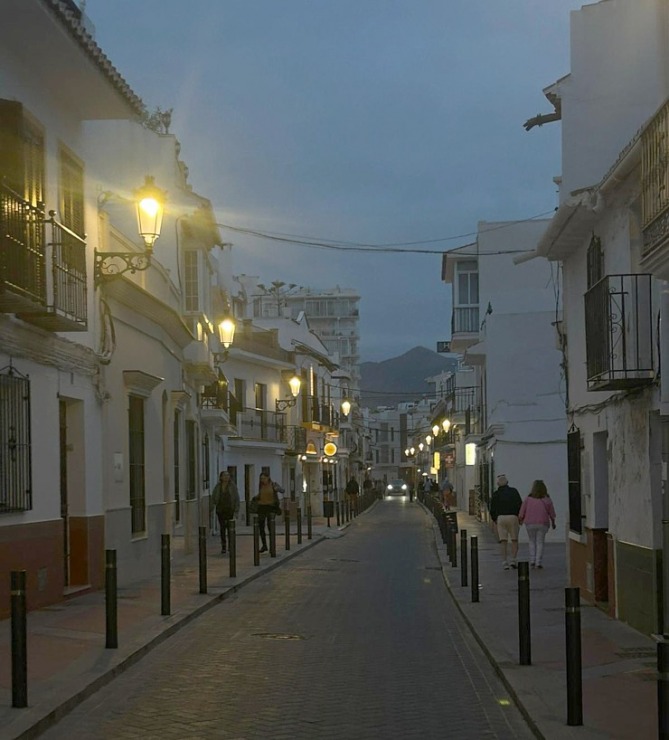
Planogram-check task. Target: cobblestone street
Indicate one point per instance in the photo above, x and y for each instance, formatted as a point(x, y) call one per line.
point(356, 638)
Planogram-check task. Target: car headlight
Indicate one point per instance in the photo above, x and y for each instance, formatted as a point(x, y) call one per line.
point(390, 488)
point(404, 486)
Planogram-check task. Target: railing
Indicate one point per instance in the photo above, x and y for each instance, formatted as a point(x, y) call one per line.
point(22, 252)
point(261, 424)
point(320, 413)
point(619, 332)
point(655, 178)
point(296, 439)
point(68, 265)
point(215, 397)
point(465, 320)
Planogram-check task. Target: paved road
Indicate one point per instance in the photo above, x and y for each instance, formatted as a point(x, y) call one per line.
point(356, 638)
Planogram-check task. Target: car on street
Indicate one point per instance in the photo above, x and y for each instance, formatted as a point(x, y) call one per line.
point(397, 488)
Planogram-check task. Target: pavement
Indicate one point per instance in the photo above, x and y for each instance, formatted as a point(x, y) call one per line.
point(68, 662)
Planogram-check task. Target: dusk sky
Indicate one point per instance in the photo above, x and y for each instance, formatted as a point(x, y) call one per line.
point(363, 122)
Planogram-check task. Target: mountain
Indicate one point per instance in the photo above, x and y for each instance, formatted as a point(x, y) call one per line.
point(402, 378)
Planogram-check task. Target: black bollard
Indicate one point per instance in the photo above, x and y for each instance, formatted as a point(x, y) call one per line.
point(272, 535)
point(165, 574)
point(475, 569)
point(202, 559)
point(232, 547)
point(574, 673)
point(299, 526)
point(111, 602)
point(524, 631)
point(444, 530)
point(256, 540)
point(454, 544)
point(309, 533)
point(338, 510)
point(463, 557)
point(663, 688)
point(286, 527)
point(19, 640)
point(247, 507)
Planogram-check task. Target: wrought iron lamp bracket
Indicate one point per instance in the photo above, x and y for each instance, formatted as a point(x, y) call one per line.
point(285, 403)
point(109, 265)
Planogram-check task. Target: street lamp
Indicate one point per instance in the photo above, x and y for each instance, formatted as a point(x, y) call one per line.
point(446, 425)
point(435, 429)
point(226, 333)
point(150, 202)
point(285, 403)
point(346, 407)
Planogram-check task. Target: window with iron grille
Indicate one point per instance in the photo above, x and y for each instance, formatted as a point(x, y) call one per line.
point(574, 477)
point(72, 193)
point(15, 446)
point(21, 152)
point(191, 281)
point(177, 470)
point(136, 469)
point(595, 259)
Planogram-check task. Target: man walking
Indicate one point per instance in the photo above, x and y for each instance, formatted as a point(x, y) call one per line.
point(504, 507)
point(225, 499)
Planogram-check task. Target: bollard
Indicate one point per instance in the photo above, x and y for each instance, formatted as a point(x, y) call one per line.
point(247, 509)
point(309, 533)
point(164, 574)
point(454, 544)
point(256, 540)
point(19, 640)
point(202, 551)
point(272, 535)
point(442, 527)
point(111, 602)
point(232, 547)
point(524, 631)
point(463, 557)
point(475, 568)
point(299, 526)
point(286, 526)
point(663, 688)
point(574, 674)
point(338, 510)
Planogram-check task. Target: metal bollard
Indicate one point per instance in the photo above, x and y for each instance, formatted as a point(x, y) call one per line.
point(444, 531)
point(338, 512)
point(272, 535)
point(663, 688)
point(524, 631)
point(454, 544)
point(256, 540)
point(202, 559)
point(475, 569)
point(165, 574)
point(286, 525)
point(463, 557)
point(19, 640)
point(232, 547)
point(111, 602)
point(574, 673)
point(299, 526)
point(309, 532)
point(247, 510)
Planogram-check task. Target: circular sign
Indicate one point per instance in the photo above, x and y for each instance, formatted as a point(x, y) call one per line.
point(330, 449)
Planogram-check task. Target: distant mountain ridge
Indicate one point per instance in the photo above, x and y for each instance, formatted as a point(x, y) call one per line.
point(402, 378)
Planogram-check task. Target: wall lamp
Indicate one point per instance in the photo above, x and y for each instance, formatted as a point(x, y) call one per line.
point(285, 403)
point(346, 407)
point(226, 333)
point(150, 204)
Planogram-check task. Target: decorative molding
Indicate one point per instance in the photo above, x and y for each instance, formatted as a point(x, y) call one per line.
point(141, 383)
point(180, 399)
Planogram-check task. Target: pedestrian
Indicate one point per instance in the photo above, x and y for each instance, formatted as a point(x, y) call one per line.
point(352, 490)
point(505, 505)
point(446, 489)
point(268, 503)
point(225, 500)
point(536, 513)
point(427, 485)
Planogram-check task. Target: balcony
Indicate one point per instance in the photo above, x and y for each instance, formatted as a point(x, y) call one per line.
point(655, 194)
point(261, 425)
point(319, 414)
point(218, 408)
point(43, 283)
point(619, 333)
point(296, 440)
point(464, 327)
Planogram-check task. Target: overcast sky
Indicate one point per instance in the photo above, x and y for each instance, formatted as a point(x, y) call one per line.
point(358, 121)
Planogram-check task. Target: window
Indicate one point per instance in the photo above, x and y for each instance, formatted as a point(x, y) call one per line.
point(574, 478)
point(15, 444)
point(468, 283)
point(136, 464)
point(72, 193)
point(260, 396)
point(191, 281)
point(177, 469)
point(595, 258)
point(191, 469)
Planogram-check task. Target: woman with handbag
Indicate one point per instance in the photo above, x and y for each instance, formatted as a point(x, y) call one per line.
point(268, 503)
point(536, 512)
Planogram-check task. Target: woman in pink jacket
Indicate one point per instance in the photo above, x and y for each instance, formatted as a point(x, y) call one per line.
point(536, 513)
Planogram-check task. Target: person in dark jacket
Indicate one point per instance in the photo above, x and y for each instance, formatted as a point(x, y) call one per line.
point(225, 499)
point(505, 505)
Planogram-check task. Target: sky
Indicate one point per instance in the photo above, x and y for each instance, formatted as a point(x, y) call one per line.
point(357, 122)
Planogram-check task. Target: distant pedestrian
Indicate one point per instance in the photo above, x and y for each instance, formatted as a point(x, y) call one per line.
point(352, 490)
point(268, 502)
point(367, 485)
point(536, 513)
point(446, 489)
point(505, 505)
point(427, 485)
point(225, 500)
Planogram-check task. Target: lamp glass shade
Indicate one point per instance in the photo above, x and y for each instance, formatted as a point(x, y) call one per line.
point(346, 407)
point(150, 206)
point(420, 446)
point(226, 332)
point(435, 429)
point(446, 425)
point(428, 439)
point(295, 382)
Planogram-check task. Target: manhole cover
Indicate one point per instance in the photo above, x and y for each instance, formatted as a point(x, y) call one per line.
point(277, 636)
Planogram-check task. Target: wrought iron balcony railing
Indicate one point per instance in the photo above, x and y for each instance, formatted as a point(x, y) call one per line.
point(465, 320)
point(55, 298)
point(619, 332)
point(296, 440)
point(319, 413)
point(261, 424)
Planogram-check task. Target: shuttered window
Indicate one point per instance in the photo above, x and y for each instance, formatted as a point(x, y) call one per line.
point(15, 443)
point(72, 193)
point(136, 463)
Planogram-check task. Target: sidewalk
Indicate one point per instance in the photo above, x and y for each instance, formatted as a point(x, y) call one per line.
point(67, 659)
point(619, 663)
